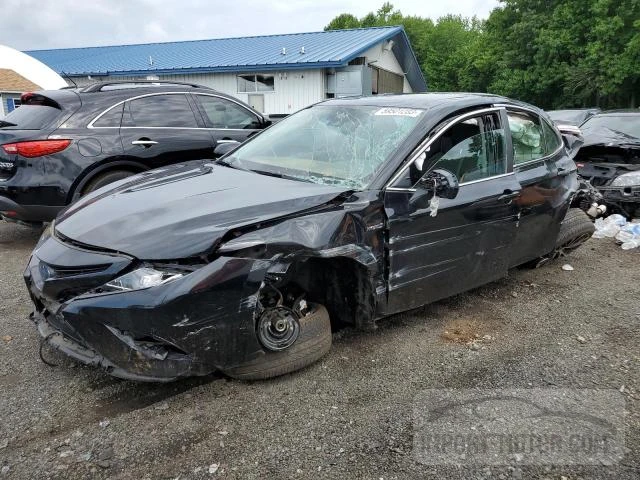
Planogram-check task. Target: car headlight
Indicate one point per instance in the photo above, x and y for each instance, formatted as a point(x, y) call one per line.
point(145, 277)
point(631, 179)
point(46, 233)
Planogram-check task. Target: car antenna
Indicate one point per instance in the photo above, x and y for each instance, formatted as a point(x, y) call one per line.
point(67, 77)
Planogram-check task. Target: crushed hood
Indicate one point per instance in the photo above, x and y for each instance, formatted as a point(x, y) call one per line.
point(183, 210)
point(609, 138)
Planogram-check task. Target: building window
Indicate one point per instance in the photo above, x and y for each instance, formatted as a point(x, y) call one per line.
point(255, 83)
point(12, 104)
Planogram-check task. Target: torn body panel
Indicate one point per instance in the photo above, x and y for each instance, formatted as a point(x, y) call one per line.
point(206, 321)
point(606, 159)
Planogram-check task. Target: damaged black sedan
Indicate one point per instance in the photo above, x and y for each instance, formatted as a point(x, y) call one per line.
point(610, 159)
point(343, 213)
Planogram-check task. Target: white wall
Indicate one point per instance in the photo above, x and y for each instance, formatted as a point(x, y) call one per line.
point(293, 89)
point(378, 57)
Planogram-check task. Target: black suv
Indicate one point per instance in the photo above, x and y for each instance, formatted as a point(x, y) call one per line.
point(62, 144)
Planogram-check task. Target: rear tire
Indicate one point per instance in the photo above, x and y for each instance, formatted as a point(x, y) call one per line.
point(575, 230)
point(105, 179)
point(312, 344)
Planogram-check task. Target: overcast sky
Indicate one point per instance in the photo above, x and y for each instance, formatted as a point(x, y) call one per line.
point(38, 24)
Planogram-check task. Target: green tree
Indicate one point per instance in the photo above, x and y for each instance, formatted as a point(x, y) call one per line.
point(553, 53)
point(343, 21)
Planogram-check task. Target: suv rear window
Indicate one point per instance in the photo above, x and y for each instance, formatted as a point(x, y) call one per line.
point(32, 117)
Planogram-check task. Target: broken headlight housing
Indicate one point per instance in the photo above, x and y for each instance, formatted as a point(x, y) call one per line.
point(144, 277)
point(631, 179)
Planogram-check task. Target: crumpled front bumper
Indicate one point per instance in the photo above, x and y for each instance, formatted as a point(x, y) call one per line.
point(192, 326)
point(167, 371)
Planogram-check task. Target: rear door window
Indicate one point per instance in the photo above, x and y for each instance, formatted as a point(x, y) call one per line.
point(32, 117)
point(169, 111)
point(527, 137)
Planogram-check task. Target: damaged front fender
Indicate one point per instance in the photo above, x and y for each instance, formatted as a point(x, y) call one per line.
point(336, 257)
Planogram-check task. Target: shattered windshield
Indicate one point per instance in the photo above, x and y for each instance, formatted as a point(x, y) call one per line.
point(628, 125)
point(329, 144)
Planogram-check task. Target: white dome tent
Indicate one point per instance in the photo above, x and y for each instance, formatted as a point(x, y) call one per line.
point(19, 73)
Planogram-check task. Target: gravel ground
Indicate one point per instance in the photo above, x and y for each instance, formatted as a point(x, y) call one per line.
point(349, 415)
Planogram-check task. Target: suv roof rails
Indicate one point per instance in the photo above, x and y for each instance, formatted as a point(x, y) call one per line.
point(123, 84)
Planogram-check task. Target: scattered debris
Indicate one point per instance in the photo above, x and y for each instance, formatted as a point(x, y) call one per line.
point(581, 339)
point(4, 443)
point(5, 470)
point(7, 338)
point(162, 406)
point(616, 226)
point(213, 468)
point(104, 423)
point(622, 389)
point(567, 268)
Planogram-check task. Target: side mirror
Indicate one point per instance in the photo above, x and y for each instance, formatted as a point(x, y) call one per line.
point(572, 139)
point(225, 146)
point(442, 183)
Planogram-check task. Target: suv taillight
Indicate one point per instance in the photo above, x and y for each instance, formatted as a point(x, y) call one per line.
point(37, 148)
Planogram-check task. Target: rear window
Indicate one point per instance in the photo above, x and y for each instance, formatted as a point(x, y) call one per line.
point(111, 118)
point(32, 117)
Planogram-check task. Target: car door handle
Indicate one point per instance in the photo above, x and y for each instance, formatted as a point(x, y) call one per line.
point(227, 141)
point(509, 195)
point(144, 143)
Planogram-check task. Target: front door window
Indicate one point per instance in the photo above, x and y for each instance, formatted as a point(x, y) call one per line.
point(473, 149)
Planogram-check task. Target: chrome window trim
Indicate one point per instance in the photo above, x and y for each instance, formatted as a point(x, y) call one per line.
point(463, 184)
point(155, 94)
point(90, 125)
point(422, 148)
point(184, 128)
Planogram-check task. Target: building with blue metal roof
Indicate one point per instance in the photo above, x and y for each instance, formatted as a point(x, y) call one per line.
point(276, 74)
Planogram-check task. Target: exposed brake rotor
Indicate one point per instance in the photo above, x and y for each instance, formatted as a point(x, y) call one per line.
point(278, 328)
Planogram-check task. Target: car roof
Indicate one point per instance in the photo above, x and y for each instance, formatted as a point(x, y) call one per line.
point(441, 103)
point(613, 113)
point(589, 109)
point(142, 90)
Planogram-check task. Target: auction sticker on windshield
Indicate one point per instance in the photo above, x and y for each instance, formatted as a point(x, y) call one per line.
point(399, 112)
